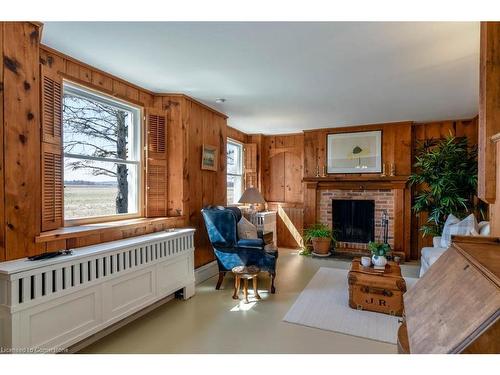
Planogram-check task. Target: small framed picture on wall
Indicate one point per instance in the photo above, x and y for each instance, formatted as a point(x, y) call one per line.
point(209, 158)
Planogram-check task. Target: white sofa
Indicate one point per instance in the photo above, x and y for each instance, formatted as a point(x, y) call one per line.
point(429, 255)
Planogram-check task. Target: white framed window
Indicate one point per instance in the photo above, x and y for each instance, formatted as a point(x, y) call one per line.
point(234, 171)
point(102, 157)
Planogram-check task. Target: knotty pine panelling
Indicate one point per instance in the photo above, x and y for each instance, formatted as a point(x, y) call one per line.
point(2, 194)
point(204, 187)
point(81, 73)
point(396, 146)
point(282, 172)
point(489, 113)
point(21, 139)
point(189, 124)
point(237, 135)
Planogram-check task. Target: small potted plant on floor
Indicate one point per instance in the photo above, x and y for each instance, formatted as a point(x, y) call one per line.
point(321, 237)
point(379, 251)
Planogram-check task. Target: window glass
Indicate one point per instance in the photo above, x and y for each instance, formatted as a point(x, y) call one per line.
point(101, 143)
point(234, 172)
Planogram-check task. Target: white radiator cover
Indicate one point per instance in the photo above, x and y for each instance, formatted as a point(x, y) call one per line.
point(49, 305)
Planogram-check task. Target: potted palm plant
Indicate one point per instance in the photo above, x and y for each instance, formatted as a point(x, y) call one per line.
point(321, 238)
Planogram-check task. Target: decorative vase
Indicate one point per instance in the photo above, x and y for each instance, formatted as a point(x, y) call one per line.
point(321, 245)
point(366, 261)
point(379, 260)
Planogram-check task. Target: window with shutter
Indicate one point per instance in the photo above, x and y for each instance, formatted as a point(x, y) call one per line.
point(52, 172)
point(156, 166)
point(102, 157)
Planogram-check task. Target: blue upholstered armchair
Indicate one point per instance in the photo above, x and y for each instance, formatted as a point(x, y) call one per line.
point(230, 251)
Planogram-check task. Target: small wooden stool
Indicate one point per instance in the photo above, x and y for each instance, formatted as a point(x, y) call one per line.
point(245, 273)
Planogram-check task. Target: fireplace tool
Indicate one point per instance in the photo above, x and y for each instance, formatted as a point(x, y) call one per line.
point(385, 226)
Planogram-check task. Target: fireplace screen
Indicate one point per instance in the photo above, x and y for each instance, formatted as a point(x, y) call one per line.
point(353, 220)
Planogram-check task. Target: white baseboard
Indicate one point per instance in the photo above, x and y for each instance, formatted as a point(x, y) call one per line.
point(206, 272)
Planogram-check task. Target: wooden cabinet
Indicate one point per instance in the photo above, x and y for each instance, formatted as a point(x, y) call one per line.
point(455, 307)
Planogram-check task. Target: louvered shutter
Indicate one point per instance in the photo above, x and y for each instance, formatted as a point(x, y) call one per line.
point(250, 157)
point(51, 148)
point(156, 164)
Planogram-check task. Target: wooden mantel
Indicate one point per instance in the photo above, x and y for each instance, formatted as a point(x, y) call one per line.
point(363, 182)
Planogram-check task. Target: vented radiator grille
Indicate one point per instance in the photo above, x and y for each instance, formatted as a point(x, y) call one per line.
point(48, 277)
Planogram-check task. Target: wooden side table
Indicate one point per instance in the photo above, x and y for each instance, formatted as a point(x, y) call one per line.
point(245, 273)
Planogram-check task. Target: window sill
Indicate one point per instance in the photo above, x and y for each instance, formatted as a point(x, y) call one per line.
point(97, 228)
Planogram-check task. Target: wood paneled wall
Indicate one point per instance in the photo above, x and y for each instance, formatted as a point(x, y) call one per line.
point(2, 194)
point(79, 72)
point(396, 146)
point(237, 135)
point(190, 125)
point(287, 159)
point(282, 173)
point(489, 121)
point(20, 130)
point(204, 187)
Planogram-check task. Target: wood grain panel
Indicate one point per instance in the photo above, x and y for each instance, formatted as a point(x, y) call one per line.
point(396, 138)
point(2, 193)
point(489, 108)
point(177, 156)
point(289, 224)
point(21, 121)
point(440, 296)
point(237, 135)
point(275, 176)
point(293, 178)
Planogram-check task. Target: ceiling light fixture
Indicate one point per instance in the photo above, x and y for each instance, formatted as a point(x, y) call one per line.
point(220, 100)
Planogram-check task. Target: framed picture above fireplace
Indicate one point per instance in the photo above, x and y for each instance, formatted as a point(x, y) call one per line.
point(358, 152)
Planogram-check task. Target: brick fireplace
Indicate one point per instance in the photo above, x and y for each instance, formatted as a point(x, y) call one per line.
point(388, 193)
point(383, 199)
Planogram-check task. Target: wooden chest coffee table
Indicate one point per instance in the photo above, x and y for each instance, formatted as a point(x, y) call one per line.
point(373, 290)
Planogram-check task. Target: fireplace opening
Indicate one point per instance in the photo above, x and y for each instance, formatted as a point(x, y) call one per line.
point(353, 220)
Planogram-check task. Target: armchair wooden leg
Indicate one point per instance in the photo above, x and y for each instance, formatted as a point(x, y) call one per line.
point(273, 276)
point(221, 278)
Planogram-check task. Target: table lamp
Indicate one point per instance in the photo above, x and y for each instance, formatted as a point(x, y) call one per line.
point(252, 196)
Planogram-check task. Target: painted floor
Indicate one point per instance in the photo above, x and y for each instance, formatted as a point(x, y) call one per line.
point(212, 322)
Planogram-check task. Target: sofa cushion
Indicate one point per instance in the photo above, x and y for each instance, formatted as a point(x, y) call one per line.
point(461, 228)
point(246, 230)
point(484, 228)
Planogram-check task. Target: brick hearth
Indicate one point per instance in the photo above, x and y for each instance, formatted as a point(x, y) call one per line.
point(384, 200)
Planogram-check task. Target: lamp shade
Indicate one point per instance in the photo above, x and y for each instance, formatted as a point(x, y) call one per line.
point(252, 196)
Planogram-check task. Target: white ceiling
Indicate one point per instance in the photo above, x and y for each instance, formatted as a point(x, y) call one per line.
point(282, 77)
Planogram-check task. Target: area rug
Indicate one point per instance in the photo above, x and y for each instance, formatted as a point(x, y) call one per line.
point(324, 304)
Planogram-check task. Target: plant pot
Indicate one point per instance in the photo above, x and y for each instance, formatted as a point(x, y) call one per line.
point(379, 260)
point(321, 245)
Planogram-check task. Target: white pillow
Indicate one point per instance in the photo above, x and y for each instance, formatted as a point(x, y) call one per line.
point(463, 228)
point(246, 230)
point(484, 228)
point(446, 236)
